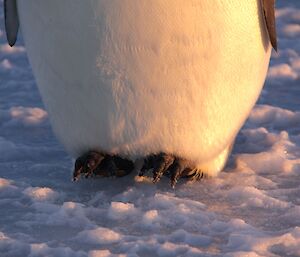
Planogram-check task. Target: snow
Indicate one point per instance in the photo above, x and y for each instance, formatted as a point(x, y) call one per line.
point(250, 209)
point(282, 71)
point(6, 49)
point(99, 236)
point(119, 210)
point(40, 193)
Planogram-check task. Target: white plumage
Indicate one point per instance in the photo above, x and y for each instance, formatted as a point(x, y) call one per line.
point(136, 77)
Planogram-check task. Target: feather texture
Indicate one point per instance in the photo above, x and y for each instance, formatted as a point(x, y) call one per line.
point(136, 77)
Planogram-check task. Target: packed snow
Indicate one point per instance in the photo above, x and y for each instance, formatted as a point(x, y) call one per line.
point(250, 209)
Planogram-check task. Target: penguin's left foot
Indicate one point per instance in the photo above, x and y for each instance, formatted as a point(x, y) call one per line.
point(95, 163)
point(174, 167)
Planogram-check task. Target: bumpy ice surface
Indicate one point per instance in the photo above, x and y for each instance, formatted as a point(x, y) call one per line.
point(251, 209)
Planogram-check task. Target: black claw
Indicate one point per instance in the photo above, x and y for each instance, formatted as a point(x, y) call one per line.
point(176, 171)
point(195, 175)
point(182, 168)
point(92, 162)
point(87, 164)
point(78, 168)
point(199, 176)
point(161, 165)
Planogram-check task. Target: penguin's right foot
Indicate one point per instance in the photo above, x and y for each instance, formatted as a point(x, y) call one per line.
point(95, 163)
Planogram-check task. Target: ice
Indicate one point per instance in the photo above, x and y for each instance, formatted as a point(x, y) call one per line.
point(251, 209)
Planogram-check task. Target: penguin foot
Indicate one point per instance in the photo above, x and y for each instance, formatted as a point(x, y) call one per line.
point(95, 163)
point(174, 167)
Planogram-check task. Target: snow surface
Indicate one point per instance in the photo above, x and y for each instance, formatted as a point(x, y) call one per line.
point(250, 209)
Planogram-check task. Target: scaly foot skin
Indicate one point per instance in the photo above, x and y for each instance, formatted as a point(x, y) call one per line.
point(86, 164)
point(95, 163)
point(167, 164)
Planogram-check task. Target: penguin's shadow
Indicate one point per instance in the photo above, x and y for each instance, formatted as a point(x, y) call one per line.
point(117, 186)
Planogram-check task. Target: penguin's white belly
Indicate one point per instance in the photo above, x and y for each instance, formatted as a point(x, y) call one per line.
point(136, 77)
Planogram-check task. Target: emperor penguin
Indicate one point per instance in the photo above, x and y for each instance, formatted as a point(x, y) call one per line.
point(170, 82)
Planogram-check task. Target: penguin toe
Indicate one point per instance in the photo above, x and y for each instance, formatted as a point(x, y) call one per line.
point(99, 164)
point(159, 163)
point(174, 167)
point(87, 164)
point(161, 166)
point(181, 168)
